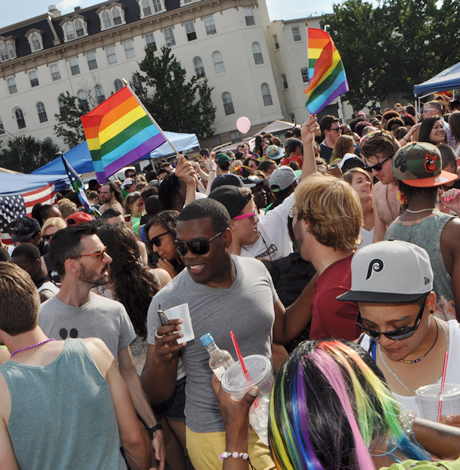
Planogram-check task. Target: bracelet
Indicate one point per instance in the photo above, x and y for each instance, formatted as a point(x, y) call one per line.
point(153, 429)
point(236, 455)
point(406, 420)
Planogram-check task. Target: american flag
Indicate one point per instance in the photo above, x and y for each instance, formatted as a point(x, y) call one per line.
point(13, 206)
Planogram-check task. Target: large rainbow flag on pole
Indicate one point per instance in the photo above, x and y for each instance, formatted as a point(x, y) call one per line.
point(325, 69)
point(119, 132)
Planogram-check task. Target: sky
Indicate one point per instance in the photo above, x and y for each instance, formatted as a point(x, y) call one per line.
point(20, 10)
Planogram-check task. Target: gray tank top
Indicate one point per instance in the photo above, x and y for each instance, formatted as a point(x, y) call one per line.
point(62, 414)
point(426, 233)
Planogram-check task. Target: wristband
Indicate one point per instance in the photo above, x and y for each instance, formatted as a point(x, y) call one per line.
point(153, 429)
point(236, 455)
point(406, 419)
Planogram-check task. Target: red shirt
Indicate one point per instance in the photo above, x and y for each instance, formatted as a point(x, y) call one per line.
point(295, 158)
point(332, 318)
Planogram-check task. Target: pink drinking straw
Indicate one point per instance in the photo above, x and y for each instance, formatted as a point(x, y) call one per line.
point(443, 383)
point(243, 365)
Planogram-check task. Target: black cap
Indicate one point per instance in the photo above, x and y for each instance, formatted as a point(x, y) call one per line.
point(226, 180)
point(25, 228)
point(231, 198)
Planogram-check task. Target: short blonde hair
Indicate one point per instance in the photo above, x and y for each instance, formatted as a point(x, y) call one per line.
point(67, 207)
point(333, 209)
point(53, 222)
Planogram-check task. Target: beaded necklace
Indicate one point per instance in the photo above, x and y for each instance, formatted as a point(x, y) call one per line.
point(33, 346)
point(421, 357)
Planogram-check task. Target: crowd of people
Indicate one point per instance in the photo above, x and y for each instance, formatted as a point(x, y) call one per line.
point(331, 251)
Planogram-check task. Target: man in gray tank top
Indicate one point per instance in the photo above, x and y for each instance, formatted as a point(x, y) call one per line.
point(63, 404)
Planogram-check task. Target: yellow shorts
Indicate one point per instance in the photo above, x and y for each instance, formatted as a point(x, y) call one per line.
point(204, 450)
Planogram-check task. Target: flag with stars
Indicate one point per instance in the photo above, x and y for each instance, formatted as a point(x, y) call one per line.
point(13, 206)
point(76, 182)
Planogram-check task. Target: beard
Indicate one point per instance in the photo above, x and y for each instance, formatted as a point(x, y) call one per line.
point(92, 277)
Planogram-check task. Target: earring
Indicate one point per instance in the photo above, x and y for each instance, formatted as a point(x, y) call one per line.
point(431, 311)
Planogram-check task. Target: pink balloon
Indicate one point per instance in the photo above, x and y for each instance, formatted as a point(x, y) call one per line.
point(243, 125)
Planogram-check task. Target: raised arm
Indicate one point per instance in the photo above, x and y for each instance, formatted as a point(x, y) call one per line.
point(308, 132)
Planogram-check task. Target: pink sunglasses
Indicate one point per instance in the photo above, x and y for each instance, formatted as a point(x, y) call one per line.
point(245, 216)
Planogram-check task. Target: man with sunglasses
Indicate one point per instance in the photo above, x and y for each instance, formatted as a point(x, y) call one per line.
point(379, 148)
point(82, 263)
point(331, 131)
point(392, 281)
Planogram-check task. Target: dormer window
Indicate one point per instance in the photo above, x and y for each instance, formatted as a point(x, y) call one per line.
point(74, 27)
point(34, 37)
point(111, 15)
point(7, 48)
point(150, 7)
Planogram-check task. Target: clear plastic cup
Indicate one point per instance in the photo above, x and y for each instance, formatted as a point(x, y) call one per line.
point(237, 384)
point(182, 312)
point(428, 399)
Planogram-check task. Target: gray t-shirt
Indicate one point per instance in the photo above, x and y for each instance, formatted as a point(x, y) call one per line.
point(246, 308)
point(99, 317)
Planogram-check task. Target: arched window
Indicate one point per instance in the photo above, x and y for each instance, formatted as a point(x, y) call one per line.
point(146, 8)
point(82, 96)
point(100, 97)
point(2, 127)
point(42, 117)
point(218, 62)
point(136, 82)
point(116, 17)
point(20, 118)
point(63, 110)
point(228, 103)
point(266, 94)
point(36, 43)
point(118, 84)
point(106, 20)
point(199, 68)
point(284, 80)
point(257, 53)
point(69, 32)
point(79, 29)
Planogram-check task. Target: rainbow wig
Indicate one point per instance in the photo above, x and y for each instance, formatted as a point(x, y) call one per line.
point(329, 404)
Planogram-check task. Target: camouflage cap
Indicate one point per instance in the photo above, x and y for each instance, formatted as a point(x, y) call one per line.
point(419, 164)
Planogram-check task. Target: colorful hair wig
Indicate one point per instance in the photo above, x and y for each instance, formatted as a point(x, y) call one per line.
point(330, 403)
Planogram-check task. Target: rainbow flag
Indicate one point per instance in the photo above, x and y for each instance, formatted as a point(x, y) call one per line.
point(325, 69)
point(119, 132)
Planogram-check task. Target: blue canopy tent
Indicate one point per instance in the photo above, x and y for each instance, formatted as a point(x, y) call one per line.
point(19, 183)
point(80, 157)
point(448, 79)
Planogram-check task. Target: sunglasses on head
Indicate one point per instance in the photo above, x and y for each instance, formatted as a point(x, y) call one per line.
point(395, 335)
point(378, 166)
point(156, 240)
point(199, 246)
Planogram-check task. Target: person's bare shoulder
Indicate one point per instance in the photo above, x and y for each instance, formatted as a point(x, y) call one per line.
point(100, 353)
point(4, 355)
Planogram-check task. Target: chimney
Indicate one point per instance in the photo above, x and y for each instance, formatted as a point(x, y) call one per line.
point(53, 11)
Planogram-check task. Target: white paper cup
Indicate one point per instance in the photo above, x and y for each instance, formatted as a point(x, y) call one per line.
point(428, 399)
point(182, 312)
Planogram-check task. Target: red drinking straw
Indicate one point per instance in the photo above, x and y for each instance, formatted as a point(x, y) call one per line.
point(443, 383)
point(243, 365)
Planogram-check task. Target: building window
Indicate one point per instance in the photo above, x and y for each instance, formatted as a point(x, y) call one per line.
point(118, 84)
point(48, 140)
point(249, 16)
point(69, 32)
point(199, 68)
point(74, 68)
point(42, 117)
point(12, 85)
point(111, 17)
point(218, 62)
point(79, 28)
point(91, 58)
point(146, 8)
point(190, 30)
point(257, 53)
point(136, 82)
point(228, 103)
point(2, 128)
point(169, 37)
point(304, 72)
point(100, 97)
point(82, 96)
point(63, 110)
point(74, 29)
point(20, 118)
point(284, 81)
point(55, 74)
point(296, 34)
point(33, 78)
point(150, 7)
point(275, 41)
point(35, 40)
point(216, 140)
point(111, 55)
point(7, 49)
point(116, 15)
point(129, 49)
point(150, 41)
point(235, 137)
point(266, 94)
point(210, 26)
point(106, 20)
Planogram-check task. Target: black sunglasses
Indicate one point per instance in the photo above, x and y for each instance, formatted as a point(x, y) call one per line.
point(378, 166)
point(47, 238)
point(199, 246)
point(156, 240)
point(395, 335)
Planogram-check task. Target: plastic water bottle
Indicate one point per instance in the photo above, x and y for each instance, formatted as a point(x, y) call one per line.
point(220, 360)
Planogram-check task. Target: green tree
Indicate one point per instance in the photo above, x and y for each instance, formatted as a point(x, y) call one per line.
point(26, 153)
point(176, 104)
point(395, 46)
point(69, 125)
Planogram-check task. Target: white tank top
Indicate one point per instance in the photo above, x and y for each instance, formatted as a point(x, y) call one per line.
point(453, 369)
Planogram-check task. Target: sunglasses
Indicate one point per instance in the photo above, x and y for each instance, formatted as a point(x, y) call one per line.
point(198, 247)
point(245, 216)
point(156, 240)
point(100, 253)
point(47, 238)
point(395, 335)
point(378, 166)
point(336, 129)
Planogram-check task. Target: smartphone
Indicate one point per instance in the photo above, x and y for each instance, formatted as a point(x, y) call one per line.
point(163, 318)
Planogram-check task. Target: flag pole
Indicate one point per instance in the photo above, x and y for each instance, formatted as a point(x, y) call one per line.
point(158, 127)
